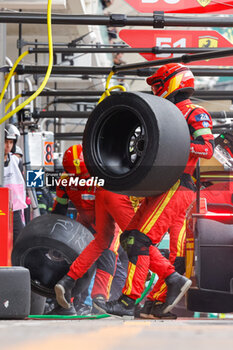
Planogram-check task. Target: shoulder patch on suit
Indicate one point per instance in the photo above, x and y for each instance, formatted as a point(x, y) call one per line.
point(202, 117)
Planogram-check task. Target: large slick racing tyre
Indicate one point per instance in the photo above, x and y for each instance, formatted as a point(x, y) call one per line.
point(137, 143)
point(47, 246)
point(37, 304)
point(15, 292)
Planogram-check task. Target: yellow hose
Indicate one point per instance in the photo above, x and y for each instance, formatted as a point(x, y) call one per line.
point(49, 69)
point(108, 90)
point(11, 73)
point(11, 102)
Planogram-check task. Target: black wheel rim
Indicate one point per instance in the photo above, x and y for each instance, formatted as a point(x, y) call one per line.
point(120, 141)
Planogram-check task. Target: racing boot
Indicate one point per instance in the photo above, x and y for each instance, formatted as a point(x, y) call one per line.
point(59, 310)
point(63, 290)
point(156, 312)
point(83, 309)
point(124, 306)
point(177, 286)
point(145, 311)
point(99, 305)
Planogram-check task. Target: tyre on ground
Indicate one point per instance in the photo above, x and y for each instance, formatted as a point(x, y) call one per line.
point(47, 246)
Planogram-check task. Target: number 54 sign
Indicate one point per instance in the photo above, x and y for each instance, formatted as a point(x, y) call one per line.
point(182, 6)
point(177, 38)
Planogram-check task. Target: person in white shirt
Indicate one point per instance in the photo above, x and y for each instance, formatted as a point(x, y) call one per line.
point(13, 179)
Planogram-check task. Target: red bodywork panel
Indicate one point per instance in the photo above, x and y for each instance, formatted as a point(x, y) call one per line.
point(6, 224)
point(182, 6)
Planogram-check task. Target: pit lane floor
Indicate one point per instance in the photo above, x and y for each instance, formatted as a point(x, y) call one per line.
point(114, 334)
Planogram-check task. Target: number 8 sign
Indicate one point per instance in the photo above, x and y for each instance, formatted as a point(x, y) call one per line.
point(48, 153)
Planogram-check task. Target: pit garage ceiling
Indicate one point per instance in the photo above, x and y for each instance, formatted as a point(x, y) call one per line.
point(58, 6)
point(61, 33)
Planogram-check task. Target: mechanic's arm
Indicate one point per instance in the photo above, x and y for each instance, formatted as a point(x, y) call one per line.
point(61, 200)
point(202, 144)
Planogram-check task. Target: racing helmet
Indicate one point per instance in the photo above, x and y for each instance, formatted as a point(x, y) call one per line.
point(73, 161)
point(12, 133)
point(170, 79)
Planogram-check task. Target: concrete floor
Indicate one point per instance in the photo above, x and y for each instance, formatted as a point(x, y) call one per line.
point(114, 334)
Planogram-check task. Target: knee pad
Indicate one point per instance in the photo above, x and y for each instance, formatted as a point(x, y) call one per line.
point(123, 239)
point(136, 243)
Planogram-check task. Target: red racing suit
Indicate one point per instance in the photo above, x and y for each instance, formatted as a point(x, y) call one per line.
point(84, 199)
point(158, 214)
point(110, 209)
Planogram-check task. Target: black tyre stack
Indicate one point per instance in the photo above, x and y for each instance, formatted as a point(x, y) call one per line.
point(15, 292)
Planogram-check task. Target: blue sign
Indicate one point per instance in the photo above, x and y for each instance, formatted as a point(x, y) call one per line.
point(35, 178)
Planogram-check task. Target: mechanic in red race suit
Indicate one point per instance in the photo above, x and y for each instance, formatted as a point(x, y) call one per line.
point(84, 198)
point(106, 214)
point(220, 193)
point(153, 307)
point(157, 214)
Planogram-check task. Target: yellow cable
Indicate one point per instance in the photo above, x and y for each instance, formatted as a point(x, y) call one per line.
point(117, 87)
point(11, 73)
point(49, 69)
point(109, 78)
point(108, 90)
point(11, 102)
